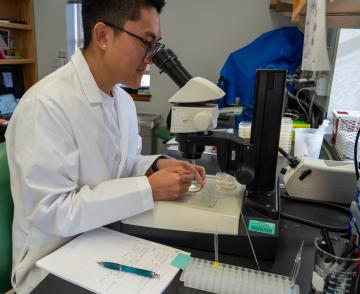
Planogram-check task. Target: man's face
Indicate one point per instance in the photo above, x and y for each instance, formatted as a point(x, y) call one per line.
point(125, 58)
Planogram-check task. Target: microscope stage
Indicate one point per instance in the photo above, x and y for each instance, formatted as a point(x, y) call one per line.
point(195, 212)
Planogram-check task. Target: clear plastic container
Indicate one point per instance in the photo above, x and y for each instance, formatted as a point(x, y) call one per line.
point(245, 129)
point(285, 133)
point(225, 185)
point(308, 142)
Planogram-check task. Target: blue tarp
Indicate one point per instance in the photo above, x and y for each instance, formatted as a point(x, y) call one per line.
point(277, 49)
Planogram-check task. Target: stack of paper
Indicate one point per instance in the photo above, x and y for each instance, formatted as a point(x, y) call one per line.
point(77, 260)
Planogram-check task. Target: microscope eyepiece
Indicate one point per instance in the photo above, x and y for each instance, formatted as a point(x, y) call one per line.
point(167, 61)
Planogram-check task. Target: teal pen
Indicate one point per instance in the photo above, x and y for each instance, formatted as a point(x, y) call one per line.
point(129, 269)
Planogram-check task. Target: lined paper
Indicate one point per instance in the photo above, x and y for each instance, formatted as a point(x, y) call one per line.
point(77, 260)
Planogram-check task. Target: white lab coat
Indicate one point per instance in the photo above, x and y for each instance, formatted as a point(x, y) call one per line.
point(61, 158)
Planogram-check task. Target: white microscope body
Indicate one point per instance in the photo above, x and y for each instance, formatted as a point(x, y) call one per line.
point(187, 117)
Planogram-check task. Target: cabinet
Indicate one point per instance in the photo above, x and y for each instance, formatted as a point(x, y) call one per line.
point(16, 16)
point(281, 6)
point(339, 13)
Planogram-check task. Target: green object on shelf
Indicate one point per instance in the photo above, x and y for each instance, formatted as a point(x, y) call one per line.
point(164, 134)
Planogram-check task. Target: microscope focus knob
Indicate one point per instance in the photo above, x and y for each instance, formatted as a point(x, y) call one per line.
point(202, 121)
point(245, 175)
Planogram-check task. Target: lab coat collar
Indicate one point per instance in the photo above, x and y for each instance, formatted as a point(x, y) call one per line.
point(87, 80)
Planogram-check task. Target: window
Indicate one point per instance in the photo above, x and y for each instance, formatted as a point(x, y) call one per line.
point(74, 27)
point(345, 88)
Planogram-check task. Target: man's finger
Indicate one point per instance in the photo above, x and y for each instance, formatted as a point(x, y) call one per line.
point(201, 170)
point(197, 172)
point(186, 178)
point(198, 177)
point(180, 170)
point(185, 187)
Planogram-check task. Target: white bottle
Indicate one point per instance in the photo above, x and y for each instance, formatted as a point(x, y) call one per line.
point(323, 127)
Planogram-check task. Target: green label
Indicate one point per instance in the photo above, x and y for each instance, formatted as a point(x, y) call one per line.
point(181, 260)
point(261, 227)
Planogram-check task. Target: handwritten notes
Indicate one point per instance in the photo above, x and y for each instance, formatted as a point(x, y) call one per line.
point(77, 262)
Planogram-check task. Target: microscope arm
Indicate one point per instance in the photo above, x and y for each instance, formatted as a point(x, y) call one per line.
point(235, 155)
point(254, 163)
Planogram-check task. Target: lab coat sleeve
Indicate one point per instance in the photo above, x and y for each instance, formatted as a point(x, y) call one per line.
point(45, 173)
point(143, 162)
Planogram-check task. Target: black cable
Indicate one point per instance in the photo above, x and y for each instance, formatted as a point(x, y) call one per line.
point(313, 223)
point(341, 208)
point(355, 154)
point(299, 101)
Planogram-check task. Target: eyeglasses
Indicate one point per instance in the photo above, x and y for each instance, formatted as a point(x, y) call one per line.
point(151, 47)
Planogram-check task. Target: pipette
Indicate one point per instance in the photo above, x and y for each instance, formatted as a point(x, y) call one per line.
point(296, 267)
point(216, 250)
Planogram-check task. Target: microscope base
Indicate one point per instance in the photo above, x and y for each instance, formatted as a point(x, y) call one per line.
point(264, 244)
point(190, 222)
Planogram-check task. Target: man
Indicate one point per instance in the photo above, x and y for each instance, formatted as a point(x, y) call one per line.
point(73, 143)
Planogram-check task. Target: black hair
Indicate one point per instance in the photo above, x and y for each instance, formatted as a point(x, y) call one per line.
point(116, 12)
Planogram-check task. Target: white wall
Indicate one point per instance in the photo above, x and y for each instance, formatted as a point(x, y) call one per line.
point(50, 27)
point(201, 32)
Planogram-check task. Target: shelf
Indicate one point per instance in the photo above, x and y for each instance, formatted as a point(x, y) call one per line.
point(339, 14)
point(17, 61)
point(16, 26)
point(280, 6)
point(298, 6)
point(138, 97)
point(23, 33)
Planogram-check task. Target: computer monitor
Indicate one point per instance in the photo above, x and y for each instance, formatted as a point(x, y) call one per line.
point(7, 105)
point(11, 80)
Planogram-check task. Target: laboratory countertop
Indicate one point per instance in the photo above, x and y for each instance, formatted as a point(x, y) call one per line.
point(291, 235)
point(290, 238)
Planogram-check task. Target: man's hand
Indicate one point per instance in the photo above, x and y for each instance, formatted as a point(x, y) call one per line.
point(198, 171)
point(170, 183)
point(174, 178)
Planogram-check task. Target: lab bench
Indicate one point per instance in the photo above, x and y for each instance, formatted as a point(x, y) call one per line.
point(290, 237)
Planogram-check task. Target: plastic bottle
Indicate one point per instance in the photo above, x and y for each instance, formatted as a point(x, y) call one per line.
point(237, 114)
point(322, 128)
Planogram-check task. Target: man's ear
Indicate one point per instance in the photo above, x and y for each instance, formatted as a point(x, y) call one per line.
point(101, 35)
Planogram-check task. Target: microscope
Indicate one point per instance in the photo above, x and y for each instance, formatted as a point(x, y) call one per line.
point(189, 222)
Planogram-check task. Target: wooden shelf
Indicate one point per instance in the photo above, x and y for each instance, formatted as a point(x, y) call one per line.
point(15, 26)
point(280, 6)
point(17, 61)
point(339, 14)
point(298, 6)
point(138, 97)
point(24, 36)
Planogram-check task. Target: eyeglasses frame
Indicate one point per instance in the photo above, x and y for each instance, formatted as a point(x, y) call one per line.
point(157, 46)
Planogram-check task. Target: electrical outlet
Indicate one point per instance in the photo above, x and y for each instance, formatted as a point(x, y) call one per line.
point(62, 53)
point(322, 86)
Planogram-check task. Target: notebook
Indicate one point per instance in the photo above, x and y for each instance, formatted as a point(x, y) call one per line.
point(76, 262)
